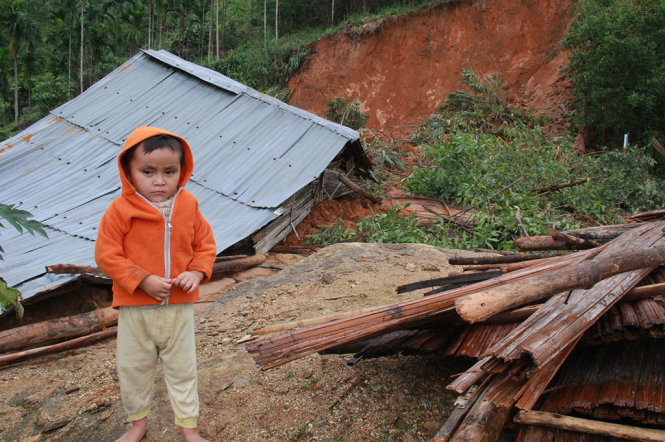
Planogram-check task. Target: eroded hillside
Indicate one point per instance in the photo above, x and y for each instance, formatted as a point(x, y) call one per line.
point(400, 68)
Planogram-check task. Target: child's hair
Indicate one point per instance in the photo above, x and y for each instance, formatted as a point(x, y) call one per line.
point(153, 143)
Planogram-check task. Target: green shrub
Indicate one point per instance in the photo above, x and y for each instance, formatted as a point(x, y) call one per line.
point(347, 114)
point(262, 67)
point(618, 69)
point(486, 156)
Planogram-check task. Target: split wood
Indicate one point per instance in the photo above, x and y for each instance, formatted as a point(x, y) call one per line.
point(274, 351)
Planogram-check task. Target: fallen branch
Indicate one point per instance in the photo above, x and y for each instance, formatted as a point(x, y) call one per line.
point(357, 189)
point(502, 259)
point(346, 392)
point(554, 187)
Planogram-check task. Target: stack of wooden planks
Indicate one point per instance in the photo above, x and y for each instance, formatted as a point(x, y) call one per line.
point(527, 321)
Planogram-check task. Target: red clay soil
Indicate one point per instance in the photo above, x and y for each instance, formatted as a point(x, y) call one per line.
point(400, 68)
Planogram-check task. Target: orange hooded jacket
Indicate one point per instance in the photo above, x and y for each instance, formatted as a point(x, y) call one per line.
point(135, 240)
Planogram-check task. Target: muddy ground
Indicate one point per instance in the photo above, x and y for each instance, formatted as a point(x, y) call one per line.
point(75, 395)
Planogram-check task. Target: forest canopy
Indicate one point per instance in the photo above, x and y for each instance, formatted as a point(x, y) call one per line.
point(52, 50)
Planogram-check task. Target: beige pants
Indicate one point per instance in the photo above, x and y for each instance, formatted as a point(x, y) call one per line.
point(146, 334)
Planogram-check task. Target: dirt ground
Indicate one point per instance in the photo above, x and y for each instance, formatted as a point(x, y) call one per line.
point(75, 395)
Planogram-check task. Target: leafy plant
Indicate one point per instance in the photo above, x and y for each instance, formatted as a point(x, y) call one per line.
point(347, 114)
point(10, 296)
point(20, 220)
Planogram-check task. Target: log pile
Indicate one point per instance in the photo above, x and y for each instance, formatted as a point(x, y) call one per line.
point(542, 328)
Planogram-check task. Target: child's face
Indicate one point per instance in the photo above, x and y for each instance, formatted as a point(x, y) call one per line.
point(155, 175)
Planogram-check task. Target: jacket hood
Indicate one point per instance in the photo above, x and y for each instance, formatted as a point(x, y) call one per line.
point(142, 133)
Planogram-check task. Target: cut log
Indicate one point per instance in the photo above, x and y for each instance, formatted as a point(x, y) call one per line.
point(587, 426)
point(56, 348)
point(603, 233)
point(236, 265)
point(574, 241)
point(481, 305)
point(57, 329)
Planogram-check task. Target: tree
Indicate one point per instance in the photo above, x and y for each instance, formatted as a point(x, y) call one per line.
point(618, 69)
point(20, 28)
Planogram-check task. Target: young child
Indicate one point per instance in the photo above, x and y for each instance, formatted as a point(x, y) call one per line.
point(156, 246)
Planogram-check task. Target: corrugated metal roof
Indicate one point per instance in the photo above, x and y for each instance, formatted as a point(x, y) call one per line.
point(251, 153)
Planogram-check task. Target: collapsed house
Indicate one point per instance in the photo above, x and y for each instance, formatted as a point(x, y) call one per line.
point(568, 346)
point(260, 164)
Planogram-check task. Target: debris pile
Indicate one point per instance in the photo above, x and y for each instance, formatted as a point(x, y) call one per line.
point(564, 341)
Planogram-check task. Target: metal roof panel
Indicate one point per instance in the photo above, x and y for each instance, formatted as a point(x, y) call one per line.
point(251, 153)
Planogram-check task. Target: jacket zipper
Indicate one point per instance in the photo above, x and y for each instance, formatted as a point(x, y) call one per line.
point(167, 243)
point(167, 238)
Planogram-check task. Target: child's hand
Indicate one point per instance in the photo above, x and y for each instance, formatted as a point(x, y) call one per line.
point(156, 286)
point(189, 280)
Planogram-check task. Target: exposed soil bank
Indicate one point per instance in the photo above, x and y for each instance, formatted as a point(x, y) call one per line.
point(401, 68)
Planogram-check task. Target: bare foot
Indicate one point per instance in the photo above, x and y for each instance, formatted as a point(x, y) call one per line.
point(136, 433)
point(191, 435)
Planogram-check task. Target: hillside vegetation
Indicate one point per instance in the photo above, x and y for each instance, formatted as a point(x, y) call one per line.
point(483, 153)
point(481, 150)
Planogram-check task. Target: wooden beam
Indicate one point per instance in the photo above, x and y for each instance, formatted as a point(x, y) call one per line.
point(57, 329)
point(587, 426)
point(481, 305)
point(56, 348)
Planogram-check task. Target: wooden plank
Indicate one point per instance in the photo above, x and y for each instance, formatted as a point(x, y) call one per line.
point(277, 350)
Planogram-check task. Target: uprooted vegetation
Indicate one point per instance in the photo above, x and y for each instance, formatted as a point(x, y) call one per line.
point(483, 153)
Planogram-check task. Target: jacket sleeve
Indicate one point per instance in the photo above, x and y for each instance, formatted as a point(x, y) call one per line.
point(109, 252)
point(205, 249)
